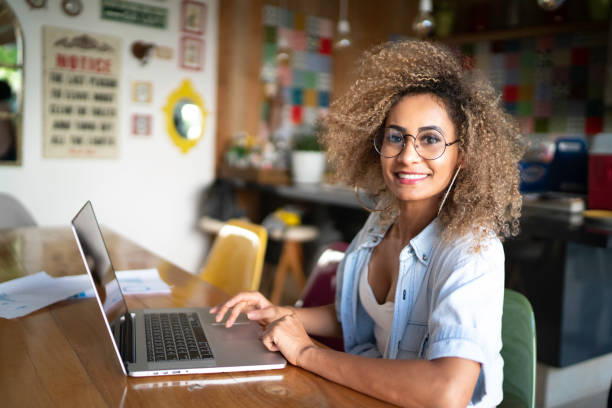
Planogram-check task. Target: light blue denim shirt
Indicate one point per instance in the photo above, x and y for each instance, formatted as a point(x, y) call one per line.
point(448, 303)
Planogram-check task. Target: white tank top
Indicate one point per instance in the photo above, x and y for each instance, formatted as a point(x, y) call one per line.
point(381, 314)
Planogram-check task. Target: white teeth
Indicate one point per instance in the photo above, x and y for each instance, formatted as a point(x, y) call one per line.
point(411, 176)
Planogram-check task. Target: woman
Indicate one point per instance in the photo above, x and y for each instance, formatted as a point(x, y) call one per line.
point(422, 283)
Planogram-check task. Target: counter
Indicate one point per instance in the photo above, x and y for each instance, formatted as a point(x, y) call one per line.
point(561, 262)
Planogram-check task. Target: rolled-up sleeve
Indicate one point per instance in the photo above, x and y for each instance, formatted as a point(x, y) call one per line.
point(467, 303)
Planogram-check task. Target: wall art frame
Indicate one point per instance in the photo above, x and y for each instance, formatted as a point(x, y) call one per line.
point(192, 53)
point(142, 91)
point(142, 124)
point(193, 17)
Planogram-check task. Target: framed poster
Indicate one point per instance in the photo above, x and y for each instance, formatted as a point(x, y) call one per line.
point(192, 53)
point(142, 91)
point(141, 124)
point(132, 12)
point(193, 16)
point(81, 94)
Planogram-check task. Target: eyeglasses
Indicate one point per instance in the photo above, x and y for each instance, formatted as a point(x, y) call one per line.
point(429, 143)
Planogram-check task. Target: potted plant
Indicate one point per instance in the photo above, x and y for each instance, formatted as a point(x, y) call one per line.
point(307, 157)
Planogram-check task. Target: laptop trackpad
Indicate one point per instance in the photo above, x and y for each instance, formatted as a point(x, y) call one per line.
point(238, 345)
point(241, 331)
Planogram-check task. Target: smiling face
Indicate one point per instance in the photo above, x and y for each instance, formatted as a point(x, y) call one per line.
point(408, 176)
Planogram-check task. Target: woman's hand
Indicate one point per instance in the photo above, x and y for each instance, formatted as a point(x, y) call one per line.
point(288, 336)
point(254, 304)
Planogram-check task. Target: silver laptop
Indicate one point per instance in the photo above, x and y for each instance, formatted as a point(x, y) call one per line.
point(165, 341)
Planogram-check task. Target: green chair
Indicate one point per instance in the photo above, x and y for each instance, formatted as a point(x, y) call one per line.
point(518, 351)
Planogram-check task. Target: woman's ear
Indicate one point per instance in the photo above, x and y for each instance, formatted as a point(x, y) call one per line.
point(461, 160)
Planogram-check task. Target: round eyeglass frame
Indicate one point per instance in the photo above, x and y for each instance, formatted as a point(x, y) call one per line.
point(413, 143)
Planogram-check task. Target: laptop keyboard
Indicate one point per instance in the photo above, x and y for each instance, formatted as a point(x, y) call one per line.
point(175, 336)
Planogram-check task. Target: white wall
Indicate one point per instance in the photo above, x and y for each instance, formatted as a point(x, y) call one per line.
point(150, 193)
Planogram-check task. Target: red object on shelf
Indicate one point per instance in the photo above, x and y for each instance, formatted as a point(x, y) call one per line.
point(600, 173)
point(296, 114)
point(510, 93)
point(325, 46)
point(593, 125)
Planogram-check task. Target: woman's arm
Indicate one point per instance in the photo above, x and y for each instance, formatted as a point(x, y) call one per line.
point(444, 382)
point(317, 321)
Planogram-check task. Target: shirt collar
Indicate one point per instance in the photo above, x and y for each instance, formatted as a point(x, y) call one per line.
point(423, 243)
point(375, 231)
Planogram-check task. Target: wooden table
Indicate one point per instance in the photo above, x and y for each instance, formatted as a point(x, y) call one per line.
point(60, 355)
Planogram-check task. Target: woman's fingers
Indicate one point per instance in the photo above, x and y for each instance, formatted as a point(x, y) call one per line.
point(270, 343)
point(242, 302)
point(235, 313)
point(222, 309)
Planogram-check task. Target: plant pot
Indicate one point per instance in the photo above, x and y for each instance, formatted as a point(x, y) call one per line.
point(307, 166)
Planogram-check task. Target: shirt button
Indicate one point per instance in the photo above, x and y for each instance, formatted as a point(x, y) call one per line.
point(424, 257)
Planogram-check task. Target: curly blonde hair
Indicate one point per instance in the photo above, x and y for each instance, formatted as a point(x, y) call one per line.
point(485, 197)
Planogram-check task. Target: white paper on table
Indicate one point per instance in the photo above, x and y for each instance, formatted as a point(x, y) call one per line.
point(142, 281)
point(21, 296)
point(135, 281)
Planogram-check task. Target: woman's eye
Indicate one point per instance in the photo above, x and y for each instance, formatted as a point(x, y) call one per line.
point(429, 139)
point(395, 138)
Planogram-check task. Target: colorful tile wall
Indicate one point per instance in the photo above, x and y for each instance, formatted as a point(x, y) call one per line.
point(552, 84)
point(306, 78)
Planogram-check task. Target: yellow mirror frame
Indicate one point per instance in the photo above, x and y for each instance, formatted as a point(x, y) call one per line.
point(184, 91)
point(11, 121)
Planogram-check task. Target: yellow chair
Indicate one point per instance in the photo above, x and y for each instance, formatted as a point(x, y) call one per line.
point(235, 261)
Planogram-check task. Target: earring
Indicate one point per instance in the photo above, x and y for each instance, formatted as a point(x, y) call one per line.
point(372, 210)
point(448, 189)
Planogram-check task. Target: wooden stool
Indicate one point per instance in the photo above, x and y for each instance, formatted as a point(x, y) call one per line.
point(291, 257)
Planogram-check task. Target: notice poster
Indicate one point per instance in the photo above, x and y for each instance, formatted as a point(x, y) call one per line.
point(81, 92)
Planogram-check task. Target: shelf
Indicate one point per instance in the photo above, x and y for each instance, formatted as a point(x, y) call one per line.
point(320, 193)
point(252, 174)
point(11, 66)
point(329, 194)
point(535, 31)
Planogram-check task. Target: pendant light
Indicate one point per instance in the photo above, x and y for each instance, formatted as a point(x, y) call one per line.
point(344, 28)
point(550, 5)
point(284, 52)
point(423, 25)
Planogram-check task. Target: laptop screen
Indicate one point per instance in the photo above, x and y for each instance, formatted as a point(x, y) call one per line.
point(98, 263)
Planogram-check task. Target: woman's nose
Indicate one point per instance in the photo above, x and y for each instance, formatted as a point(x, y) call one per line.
point(409, 153)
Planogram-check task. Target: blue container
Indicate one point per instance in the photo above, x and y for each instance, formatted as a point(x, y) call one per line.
point(535, 166)
point(569, 168)
point(535, 176)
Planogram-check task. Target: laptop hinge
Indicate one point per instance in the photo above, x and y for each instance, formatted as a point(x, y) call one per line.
point(126, 337)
